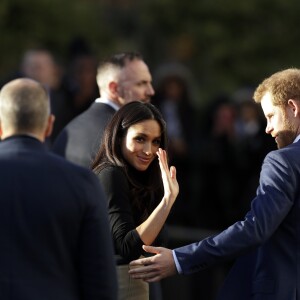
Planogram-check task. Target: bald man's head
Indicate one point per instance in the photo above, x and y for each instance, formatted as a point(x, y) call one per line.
point(24, 107)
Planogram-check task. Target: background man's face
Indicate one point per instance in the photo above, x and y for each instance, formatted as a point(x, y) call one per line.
point(135, 83)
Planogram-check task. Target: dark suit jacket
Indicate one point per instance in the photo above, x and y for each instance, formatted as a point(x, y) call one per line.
point(55, 241)
point(79, 141)
point(267, 240)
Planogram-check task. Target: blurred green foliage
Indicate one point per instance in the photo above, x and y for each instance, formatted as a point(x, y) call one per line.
point(226, 44)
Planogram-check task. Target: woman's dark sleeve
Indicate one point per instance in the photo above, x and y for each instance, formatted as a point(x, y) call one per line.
point(126, 240)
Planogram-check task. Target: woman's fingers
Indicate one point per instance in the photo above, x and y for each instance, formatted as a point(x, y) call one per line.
point(173, 172)
point(162, 157)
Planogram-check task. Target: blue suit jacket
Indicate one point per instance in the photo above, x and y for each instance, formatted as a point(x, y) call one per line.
point(79, 141)
point(54, 236)
point(267, 241)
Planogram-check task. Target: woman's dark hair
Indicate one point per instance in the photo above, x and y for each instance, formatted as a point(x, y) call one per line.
point(110, 152)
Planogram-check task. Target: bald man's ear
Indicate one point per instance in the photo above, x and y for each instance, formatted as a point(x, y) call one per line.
point(50, 124)
point(113, 88)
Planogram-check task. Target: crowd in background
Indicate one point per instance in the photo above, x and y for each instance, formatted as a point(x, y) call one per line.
point(217, 149)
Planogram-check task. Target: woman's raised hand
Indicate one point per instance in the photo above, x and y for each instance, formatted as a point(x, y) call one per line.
point(171, 186)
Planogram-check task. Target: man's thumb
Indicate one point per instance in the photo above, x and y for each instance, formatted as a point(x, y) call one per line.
point(151, 249)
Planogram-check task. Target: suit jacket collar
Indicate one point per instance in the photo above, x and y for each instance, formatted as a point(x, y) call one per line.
point(23, 141)
point(107, 102)
point(297, 138)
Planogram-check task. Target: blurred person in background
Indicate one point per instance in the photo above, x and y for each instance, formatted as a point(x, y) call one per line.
point(234, 147)
point(253, 146)
point(174, 98)
point(80, 75)
point(41, 65)
point(82, 81)
point(218, 164)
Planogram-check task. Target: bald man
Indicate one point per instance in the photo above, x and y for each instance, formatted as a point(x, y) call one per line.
point(54, 235)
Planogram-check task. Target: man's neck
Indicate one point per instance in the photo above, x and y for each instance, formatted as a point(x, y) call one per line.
point(8, 135)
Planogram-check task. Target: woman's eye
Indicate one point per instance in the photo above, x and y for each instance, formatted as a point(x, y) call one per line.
point(139, 139)
point(156, 142)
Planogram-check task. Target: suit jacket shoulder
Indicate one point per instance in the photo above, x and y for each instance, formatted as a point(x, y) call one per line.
point(79, 141)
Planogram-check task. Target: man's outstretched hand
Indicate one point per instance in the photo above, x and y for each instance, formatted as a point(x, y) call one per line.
point(153, 268)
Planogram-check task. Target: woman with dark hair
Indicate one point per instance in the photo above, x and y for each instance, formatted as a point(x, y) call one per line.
point(141, 189)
